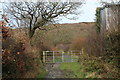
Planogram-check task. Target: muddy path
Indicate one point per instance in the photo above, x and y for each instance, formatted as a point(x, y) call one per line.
point(54, 71)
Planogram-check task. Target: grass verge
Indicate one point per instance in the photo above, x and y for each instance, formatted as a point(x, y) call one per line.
point(42, 73)
point(77, 70)
point(74, 68)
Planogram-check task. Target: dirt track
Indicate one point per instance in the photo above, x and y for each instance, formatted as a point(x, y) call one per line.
point(54, 71)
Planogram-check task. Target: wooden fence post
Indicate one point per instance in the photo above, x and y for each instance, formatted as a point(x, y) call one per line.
point(71, 57)
point(43, 56)
point(53, 57)
point(62, 56)
point(82, 51)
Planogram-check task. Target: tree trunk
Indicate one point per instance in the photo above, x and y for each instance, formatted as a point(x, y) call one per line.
point(31, 33)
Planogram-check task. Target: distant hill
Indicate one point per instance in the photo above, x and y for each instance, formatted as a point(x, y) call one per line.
point(58, 35)
point(65, 33)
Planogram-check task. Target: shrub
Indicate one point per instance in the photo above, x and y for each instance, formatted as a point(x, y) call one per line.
point(77, 43)
point(94, 45)
point(15, 62)
point(18, 57)
point(104, 52)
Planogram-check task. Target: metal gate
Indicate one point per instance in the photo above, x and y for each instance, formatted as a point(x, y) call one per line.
point(60, 56)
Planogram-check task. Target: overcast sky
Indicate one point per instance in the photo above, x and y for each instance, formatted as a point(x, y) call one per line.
point(87, 12)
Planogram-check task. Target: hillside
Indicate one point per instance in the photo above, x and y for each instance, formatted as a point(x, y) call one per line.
point(65, 33)
point(58, 35)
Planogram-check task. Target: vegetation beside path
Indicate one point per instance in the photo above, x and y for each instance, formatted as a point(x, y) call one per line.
point(42, 73)
point(75, 70)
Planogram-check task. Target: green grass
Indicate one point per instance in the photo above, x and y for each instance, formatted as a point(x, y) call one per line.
point(75, 68)
point(58, 59)
point(42, 73)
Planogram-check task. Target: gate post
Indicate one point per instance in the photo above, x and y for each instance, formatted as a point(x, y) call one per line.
point(62, 56)
point(71, 57)
point(53, 57)
point(43, 56)
point(82, 51)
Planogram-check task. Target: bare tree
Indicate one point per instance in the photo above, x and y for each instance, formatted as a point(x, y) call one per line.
point(38, 14)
